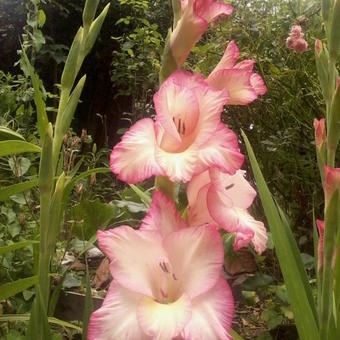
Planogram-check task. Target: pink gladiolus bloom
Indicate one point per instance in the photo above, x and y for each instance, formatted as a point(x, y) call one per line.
point(320, 132)
point(295, 41)
point(243, 84)
point(187, 136)
point(222, 200)
point(167, 281)
point(195, 19)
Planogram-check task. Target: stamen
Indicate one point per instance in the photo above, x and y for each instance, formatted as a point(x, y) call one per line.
point(179, 126)
point(174, 276)
point(229, 186)
point(183, 131)
point(164, 267)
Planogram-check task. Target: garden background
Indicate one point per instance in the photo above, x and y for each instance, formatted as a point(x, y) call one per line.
point(122, 76)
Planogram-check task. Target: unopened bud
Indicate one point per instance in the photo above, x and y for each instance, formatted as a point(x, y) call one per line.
point(318, 47)
point(79, 189)
point(93, 179)
point(94, 148)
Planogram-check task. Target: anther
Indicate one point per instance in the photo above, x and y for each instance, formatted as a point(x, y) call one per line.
point(229, 186)
point(174, 277)
point(164, 267)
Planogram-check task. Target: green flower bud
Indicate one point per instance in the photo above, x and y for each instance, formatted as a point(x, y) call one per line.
point(89, 12)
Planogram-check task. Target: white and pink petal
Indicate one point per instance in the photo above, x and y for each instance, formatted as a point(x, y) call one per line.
point(196, 255)
point(107, 323)
point(162, 216)
point(229, 58)
point(135, 257)
point(221, 151)
point(237, 82)
point(133, 159)
point(212, 314)
point(250, 230)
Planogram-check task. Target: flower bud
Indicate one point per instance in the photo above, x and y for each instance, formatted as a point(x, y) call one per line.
point(320, 133)
point(332, 183)
point(320, 142)
point(89, 12)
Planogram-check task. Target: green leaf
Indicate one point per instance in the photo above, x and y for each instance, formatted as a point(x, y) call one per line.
point(19, 166)
point(25, 318)
point(13, 147)
point(89, 216)
point(38, 98)
point(12, 288)
point(42, 18)
point(145, 198)
point(290, 260)
point(235, 335)
point(17, 245)
point(14, 189)
point(88, 304)
point(8, 134)
point(71, 182)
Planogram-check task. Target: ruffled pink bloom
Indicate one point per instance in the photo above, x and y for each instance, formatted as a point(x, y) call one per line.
point(243, 84)
point(195, 19)
point(320, 132)
point(222, 200)
point(295, 41)
point(187, 136)
point(167, 281)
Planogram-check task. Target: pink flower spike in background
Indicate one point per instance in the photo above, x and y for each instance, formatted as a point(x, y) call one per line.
point(195, 19)
point(167, 281)
point(295, 41)
point(222, 200)
point(187, 136)
point(243, 84)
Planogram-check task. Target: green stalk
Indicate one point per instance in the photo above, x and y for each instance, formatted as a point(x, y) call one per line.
point(332, 218)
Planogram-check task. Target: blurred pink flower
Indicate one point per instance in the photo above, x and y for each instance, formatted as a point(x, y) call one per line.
point(186, 138)
point(194, 21)
point(222, 200)
point(243, 84)
point(295, 41)
point(167, 281)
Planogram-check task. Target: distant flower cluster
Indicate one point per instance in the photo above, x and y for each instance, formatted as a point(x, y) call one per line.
point(296, 40)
